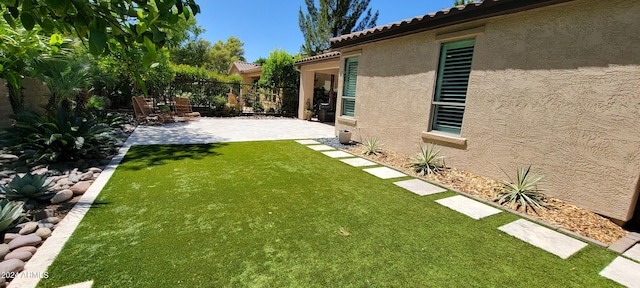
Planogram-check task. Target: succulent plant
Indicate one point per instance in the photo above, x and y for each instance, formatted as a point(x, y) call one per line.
point(428, 160)
point(29, 188)
point(10, 214)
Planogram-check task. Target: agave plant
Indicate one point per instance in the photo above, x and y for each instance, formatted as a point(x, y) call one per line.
point(428, 161)
point(29, 188)
point(523, 192)
point(10, 214)
point(371, 146)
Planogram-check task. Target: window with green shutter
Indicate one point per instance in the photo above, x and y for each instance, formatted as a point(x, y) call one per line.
point(349, 87)
point(451, 87)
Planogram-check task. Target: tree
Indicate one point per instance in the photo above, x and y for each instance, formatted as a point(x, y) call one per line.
point(193, 53)
point(260, 61)
point(223, 54)
point(332, 19)
point(463, 2)
point(280, 75)
point(126, 21)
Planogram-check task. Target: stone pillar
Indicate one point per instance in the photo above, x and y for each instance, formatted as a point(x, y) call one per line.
point(306, 91)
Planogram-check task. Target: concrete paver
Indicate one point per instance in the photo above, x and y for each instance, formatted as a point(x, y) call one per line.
point(633, 253)
point(337, 154)
point(358, 162)
point(384, 172)
point(623, 271)
point(307, 142)
point(420, 187)
point(469, 207)
point(544, 238)
point(321, 147)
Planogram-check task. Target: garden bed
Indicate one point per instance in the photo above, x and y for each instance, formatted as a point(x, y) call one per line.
point(559, 213)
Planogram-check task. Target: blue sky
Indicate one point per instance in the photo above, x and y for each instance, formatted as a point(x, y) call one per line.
point(266, 25)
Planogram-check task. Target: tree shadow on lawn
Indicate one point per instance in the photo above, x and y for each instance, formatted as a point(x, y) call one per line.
point(141, 157)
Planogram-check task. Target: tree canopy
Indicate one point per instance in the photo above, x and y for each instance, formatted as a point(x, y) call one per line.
point(331, 19)
point(223, 54)
point(98, 21)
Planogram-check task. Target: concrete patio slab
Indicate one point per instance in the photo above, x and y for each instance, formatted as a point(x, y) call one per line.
point(358, 162)
point(544, 238)
point(215, 130)
point(337, 154)
point(420, 187)
point(384, 173)
point(469, 207)
point(633, 253)
point(307, 142)
point(623, 271)
point(321, 147)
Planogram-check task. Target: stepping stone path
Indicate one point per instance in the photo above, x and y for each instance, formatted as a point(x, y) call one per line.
point(321, 147)
point(337, 154)
point(358, 162)
point(384, 172)
point(420, 187)
point(623, 271)
point(544, 238)
point(466, 206)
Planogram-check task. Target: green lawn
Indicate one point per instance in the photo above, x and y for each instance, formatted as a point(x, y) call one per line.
point(270, 214)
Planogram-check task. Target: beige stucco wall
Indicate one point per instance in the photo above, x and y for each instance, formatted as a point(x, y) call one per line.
point(556, 87)
point(35, 94)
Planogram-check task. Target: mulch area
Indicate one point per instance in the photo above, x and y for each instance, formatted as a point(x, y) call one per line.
point(558, 212)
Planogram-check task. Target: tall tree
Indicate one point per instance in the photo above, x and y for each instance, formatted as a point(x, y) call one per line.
point(223, 54)
point(331, 19)
point(194, 53)
point(463, 2)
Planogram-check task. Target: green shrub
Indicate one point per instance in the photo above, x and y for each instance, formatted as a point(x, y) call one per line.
point(257, 106)
point(428, 161)
point(523, 192)
point(30, 188)
point(63, 136)
point(371, 146)
point(10, 214)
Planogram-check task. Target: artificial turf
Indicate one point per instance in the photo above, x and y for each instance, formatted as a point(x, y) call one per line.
point(277, 214)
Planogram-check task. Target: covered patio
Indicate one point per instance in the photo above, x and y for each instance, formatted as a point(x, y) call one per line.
point(318, 85)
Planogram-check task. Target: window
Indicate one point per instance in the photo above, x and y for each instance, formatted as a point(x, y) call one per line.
point(451, 86)
point(349, 87)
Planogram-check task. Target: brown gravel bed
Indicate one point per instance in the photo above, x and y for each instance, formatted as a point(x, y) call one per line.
point(559, 213)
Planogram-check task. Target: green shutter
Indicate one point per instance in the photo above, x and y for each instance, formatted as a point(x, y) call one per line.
point(350, 76)
point(348, 106)
point(452, 84)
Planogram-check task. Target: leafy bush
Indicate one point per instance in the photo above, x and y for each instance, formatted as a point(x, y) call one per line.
point(371, 146)
point(257, 106)
point(428, 161)
point(10, 214)
point(29, 188)
point(523, 192)
point(63, 136)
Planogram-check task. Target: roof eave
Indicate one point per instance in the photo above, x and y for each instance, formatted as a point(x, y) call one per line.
point(454, 16)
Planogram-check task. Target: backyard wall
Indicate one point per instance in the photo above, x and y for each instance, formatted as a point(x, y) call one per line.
point(557, 87)
point(35, 93)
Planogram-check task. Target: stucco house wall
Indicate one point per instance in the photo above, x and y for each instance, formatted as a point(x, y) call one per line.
point(557, 87)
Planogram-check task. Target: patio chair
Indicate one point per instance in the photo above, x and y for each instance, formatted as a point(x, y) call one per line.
point(143, 111)
point(183, 109)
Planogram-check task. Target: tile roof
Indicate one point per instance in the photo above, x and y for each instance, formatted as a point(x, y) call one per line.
point(442, 18)
point(323, 56)
point(245, 67)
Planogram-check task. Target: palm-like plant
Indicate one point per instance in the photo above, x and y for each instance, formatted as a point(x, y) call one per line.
point(29, 188)
point(371, 146)
point(10, 214)
point(428, 161)
point(523, 192)
point(65, 79)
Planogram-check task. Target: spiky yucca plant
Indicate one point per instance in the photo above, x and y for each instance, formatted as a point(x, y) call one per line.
point(29, 188)
point(523, 192)
point(428, 160)
point(10, 214)
point(371, 146)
